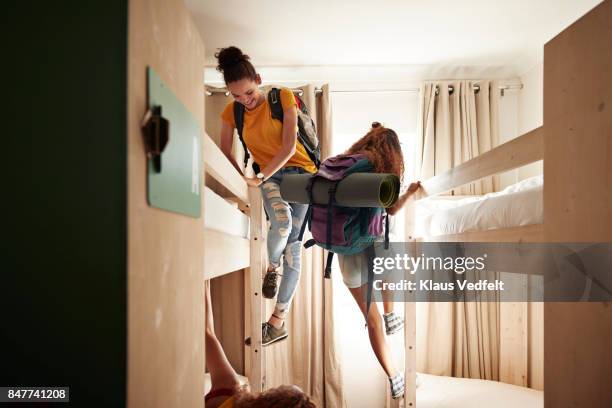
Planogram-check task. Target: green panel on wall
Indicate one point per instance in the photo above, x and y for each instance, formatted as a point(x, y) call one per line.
point(176, 187)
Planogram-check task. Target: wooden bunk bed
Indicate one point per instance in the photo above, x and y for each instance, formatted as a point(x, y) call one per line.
point(575, 144)
point(518, 152)
point(521, 151)
point(234, 241)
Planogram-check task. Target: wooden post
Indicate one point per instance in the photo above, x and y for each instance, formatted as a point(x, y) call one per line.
point(578, 202)
point(410, 338)
point(410, 310)
point(255, 352)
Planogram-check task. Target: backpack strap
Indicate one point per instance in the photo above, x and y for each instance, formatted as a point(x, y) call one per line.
point(330, 207)
point(239, 121)
point(309, 188)
point(308, 218)
point(364, 214)
point(309, 243)
point(330, 218)
point(276, 107)
point(304, 223)
point(370, 254)
point(386, 230)
point(328, 265)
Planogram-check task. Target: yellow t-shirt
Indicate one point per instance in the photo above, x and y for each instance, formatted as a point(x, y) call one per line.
point(228, 403)
point(264, 135)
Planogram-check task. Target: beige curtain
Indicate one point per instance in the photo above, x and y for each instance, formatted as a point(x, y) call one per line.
point(310, 357)
point(458, 339)
point(455, 127)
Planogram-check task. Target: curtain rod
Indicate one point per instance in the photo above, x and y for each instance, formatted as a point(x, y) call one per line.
point(319, 91)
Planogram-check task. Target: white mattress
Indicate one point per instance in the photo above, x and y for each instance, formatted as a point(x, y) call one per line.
point(448, 392)
point(224, 216)
point(519, 204)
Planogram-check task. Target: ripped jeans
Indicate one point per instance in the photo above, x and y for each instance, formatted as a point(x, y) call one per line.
point(285, 223)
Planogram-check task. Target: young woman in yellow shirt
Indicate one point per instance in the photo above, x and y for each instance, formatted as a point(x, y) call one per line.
point(274, 146)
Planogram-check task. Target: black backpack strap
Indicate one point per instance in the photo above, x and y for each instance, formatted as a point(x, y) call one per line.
point(308, 217)
point(330, 207)
point(369, 251)
point(304, 223)
point(386, 230)
point(276, 107)
point(364, 215)
point(309, 188)
point(239, 121)
point(328, 265)
point(330, 218)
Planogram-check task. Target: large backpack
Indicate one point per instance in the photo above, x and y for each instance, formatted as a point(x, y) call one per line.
point(344, 230)
point(307, 132)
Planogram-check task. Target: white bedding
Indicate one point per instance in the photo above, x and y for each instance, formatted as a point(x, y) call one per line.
point(223, 216)
point(519, 204)
point(448, 392)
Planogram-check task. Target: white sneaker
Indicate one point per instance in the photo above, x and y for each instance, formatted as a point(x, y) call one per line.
point(393, 323)
point(397, 386)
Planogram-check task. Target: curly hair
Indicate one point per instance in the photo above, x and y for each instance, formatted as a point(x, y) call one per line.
point(285, 396)
point(234, 64)
point(382, 147)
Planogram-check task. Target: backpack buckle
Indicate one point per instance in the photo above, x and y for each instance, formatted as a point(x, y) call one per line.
point(309, 243)
point(332, 189)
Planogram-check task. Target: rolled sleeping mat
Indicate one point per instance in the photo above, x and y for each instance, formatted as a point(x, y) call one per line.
point(355, 190)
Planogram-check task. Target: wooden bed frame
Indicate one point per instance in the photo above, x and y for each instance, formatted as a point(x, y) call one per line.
point(246, 254)
point(575, 143)
point(518, 152)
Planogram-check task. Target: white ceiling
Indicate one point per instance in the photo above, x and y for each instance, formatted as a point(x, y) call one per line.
point(506, 35)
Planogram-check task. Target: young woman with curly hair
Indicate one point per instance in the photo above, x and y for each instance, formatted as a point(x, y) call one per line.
point(276, 150)
point(226, 391)
point(382, 148)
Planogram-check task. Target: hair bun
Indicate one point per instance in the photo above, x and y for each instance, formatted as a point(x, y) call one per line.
point(376, 125)
point(229, 57)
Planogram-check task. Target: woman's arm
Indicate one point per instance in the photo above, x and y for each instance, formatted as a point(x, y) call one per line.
point(289, 143)
point(222, 373)
point(402, 200)
point(227, 139)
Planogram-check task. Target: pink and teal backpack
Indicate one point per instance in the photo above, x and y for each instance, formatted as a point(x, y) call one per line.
point(343, 230)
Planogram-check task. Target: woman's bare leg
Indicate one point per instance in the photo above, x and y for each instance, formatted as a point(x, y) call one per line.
point(222, 374)
point(387, 303)
point(375, 331)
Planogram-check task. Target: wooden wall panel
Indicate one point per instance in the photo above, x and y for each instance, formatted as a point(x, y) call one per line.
point(513, 339)
point(578, 202)
point(165, 250)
